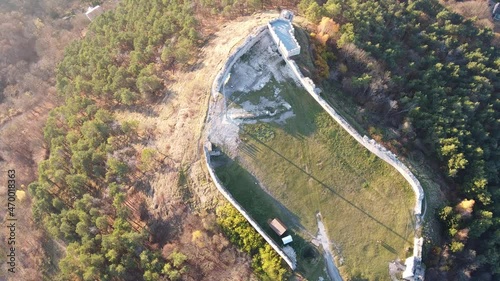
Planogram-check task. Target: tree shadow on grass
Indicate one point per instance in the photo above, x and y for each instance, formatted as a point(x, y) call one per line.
point(147, 110)
point(331, 189)
point(168, 95)
point(249, 149)
point(143, 185)
point(357, 278)
point(168, 226)
point(196, 66)
point(388, 248)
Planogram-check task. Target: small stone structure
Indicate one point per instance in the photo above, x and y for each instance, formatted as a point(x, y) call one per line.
point(286, 14)
point(414, 270)
point(282, 32)
point(211, 150)
point(496, 12)
point(93, 12)
point(408, 273)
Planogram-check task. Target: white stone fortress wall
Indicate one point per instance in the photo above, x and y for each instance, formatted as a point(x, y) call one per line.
point(370, 144)
point(309, 85)
point(216, 90)
point(240, 209)
point(231, 60)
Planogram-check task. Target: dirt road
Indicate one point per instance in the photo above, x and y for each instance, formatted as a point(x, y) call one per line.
point(333, 272)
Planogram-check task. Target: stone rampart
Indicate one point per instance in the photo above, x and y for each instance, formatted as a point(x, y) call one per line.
point(375, 148)
point(370, 144)
point(216, 88)
point(224, 72)
point(309, 85)
point(240, 209)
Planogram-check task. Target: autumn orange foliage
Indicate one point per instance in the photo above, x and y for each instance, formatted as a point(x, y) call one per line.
point(465, 207)
point(327, 29)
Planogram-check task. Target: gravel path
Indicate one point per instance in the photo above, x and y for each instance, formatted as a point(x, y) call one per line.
point(333, 272)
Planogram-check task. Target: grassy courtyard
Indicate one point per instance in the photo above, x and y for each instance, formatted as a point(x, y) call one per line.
point(245, 189)
point(309, 165)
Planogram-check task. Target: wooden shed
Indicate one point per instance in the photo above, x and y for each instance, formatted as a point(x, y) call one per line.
point(277, 226)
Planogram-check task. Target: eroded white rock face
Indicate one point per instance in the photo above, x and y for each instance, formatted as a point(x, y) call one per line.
point(252, 72)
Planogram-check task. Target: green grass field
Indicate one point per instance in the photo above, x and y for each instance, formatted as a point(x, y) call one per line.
point(244, 188)
point(312, 165)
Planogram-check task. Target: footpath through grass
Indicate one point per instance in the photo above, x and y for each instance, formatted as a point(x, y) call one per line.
point(309, 165)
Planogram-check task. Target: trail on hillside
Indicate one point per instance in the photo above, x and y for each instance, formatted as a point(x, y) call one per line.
point(333, 272)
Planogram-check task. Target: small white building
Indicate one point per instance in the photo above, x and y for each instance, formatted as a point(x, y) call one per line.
point(409, 272)
point(93, 12)
point(287, 239)
point(283, 34)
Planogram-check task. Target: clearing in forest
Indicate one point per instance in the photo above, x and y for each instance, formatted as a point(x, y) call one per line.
point(291, 160)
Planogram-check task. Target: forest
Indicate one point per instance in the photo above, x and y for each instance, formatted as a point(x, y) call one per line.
point(81, 189)
point(433, 76)
point(32, 39)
